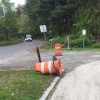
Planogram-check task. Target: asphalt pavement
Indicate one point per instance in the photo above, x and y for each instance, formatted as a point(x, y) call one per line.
point(6, 51)
point(81, 84)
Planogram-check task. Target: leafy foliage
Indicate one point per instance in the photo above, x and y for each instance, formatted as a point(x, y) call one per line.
point(96, 45)
point(56, 14)
point(88, 17)
point(65, 16)
point(62, 17)
point(8, 21)
point(24, 25)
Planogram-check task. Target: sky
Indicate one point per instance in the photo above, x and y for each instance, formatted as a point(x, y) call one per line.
point(16, 2)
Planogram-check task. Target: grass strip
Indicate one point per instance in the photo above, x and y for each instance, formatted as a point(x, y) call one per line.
point(10, 42)
point(23, 85)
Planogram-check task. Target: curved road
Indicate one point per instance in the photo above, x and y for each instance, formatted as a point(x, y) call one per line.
point(10, 50)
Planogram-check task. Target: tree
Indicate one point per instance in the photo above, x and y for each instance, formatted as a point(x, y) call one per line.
point(56, 14)
point(24, 25)
point(64, 16)
point(88, 16)
point(19, 10)
point(8, 20)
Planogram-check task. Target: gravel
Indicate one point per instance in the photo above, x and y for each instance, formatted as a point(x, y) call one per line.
point(70, 59)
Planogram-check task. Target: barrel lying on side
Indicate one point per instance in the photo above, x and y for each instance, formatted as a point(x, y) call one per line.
point(50, 67)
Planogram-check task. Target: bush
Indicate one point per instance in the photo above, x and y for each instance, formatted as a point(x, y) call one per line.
point(79, 42)
point(74, 36)
point(96, 45)
point(60, 40)
point(76, 41)
point(10, 42)
point(1, 37)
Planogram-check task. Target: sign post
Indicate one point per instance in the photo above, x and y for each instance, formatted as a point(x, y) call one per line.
point(83, 33)
point(68, 43)
point(43, 29)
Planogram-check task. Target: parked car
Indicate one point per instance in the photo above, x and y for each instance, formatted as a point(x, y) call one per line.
point(28, 38)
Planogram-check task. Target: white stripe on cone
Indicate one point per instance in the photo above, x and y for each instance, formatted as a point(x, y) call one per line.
point(49, 67)
point(42, 67)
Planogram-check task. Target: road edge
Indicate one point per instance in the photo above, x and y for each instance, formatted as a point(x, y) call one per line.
point(49, 89)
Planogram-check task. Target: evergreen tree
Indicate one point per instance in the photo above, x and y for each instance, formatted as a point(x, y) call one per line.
point(56, 14)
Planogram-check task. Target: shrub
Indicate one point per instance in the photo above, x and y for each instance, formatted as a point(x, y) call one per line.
point(74, 36)
point(1, 37)
point(79, 42)
point(96, 45)
point(60, 40)
point(76, 43)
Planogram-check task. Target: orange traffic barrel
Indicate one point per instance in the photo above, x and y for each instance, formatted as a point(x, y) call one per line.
point(50, 67)
point(58, 51)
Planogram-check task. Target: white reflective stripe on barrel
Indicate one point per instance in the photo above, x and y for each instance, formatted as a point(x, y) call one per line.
point(49, 67)
point(42, 67)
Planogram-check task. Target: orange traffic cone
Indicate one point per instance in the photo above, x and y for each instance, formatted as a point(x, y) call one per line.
point(58, 51)
point(50, 67)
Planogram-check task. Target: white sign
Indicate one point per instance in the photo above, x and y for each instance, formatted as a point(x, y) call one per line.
point(83, 32)
point(43, 28)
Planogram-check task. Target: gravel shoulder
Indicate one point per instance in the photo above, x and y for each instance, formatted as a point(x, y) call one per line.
point(23, 60)
point(70, 59)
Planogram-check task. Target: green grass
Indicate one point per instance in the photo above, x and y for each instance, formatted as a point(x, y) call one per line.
point(10, 42)
point(81, 49)
point(23, 85)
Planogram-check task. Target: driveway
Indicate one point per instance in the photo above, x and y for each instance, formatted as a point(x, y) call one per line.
point(18, 56)
point(10, 50)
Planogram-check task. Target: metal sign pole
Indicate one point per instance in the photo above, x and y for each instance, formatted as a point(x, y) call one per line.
point(83, 41)
point(68, 43)
point(43, 29)
point(83, 33)
point(45, 39)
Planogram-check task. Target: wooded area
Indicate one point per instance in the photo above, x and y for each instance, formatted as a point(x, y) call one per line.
point(62, 17)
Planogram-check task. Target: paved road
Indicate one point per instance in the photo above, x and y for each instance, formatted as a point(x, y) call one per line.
point(82, 77)
point(81, 84)
point(10, 50)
